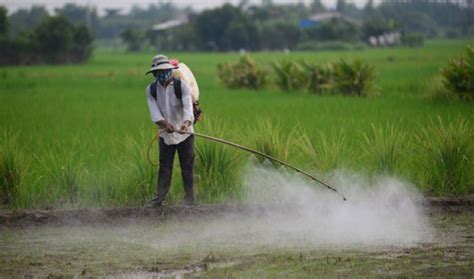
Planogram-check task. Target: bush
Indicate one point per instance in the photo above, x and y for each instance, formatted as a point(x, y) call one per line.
point(459, 75)
point(289, 75)
point(318, 78)
point(356, 78)
point(246, 73)
point(448, 151)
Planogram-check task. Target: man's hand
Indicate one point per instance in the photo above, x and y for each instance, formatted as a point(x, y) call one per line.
point(184, 127)
point(163, 124)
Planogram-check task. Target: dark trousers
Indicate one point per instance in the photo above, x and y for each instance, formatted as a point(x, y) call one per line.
point(186, 160)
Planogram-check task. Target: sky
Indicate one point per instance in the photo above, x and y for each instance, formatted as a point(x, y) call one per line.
point(125, 5)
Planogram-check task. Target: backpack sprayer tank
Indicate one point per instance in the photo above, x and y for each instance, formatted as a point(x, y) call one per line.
point(184, 73)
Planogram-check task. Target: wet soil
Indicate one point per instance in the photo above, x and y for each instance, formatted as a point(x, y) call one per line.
point(115, 242)
point(24, 218)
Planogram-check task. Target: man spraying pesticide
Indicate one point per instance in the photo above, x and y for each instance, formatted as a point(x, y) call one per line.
point(174, 107)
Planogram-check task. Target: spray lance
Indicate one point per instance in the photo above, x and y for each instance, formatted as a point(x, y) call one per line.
point(253, 151)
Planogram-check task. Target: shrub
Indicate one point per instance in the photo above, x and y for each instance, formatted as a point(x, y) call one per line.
point(318, 78)
point(246, 73)
point(355, 79)
point(385, 147)
point(449, 154)
point(459, 75)
point(289, 75)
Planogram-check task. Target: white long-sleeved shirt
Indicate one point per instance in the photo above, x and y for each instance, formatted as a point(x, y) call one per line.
point(168, 107)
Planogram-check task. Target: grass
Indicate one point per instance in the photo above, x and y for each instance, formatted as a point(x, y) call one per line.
point(326, 152)
point(449, 154)
point(98, 112)
point(12, 167)
point(268, 139)
point(216, 168)
point(385, 147)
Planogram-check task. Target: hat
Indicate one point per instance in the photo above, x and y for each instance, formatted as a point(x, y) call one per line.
point(160, 62)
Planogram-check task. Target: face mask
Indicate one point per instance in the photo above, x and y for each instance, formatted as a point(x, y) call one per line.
point(163, 76)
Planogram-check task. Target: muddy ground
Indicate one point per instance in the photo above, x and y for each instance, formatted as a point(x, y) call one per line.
point(136, 242)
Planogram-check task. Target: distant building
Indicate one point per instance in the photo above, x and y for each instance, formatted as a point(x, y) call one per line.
point(320, 18)
point(386, 39)
point(163, 26)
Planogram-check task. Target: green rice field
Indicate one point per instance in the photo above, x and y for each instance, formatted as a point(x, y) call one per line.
point(76, 135)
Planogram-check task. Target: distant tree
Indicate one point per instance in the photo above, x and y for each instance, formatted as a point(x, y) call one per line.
point(55, 39)
point(4, 24)
point(23, 20)
point(111, 12)
point(341, 5)
point(212, 25)
point(79, 15)
point(375, 26)
point(134, 39)
point(242, 34)
point(267, 3)
point(334, 30)
point(317, 6)
point(279, 34)
point(369, 7)
point(82, 48)
point(429, 17)
point(183, 38)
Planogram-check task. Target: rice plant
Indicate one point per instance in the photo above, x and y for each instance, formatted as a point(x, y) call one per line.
point(354, 78)
point(448, 152)
point(325, 152)
point(245, 73)
point(385, 148)
point(12, 166)
point(63, 167)
point(141, 176)
point(318, 78)
point(289, 75)
point(459, 75)
point(268, 139)
point(217, 168)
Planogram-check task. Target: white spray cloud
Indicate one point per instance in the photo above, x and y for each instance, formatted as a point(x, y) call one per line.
point(297, 213)
point(383, 210)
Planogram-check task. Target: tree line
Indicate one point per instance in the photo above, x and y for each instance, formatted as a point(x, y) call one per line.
point(26, 35)
point(55, 39)
point(269, 26)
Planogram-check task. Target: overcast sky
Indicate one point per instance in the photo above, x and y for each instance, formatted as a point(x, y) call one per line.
point(13, 5)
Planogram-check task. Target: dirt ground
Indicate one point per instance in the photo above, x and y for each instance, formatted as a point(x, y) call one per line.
point(116, 242)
